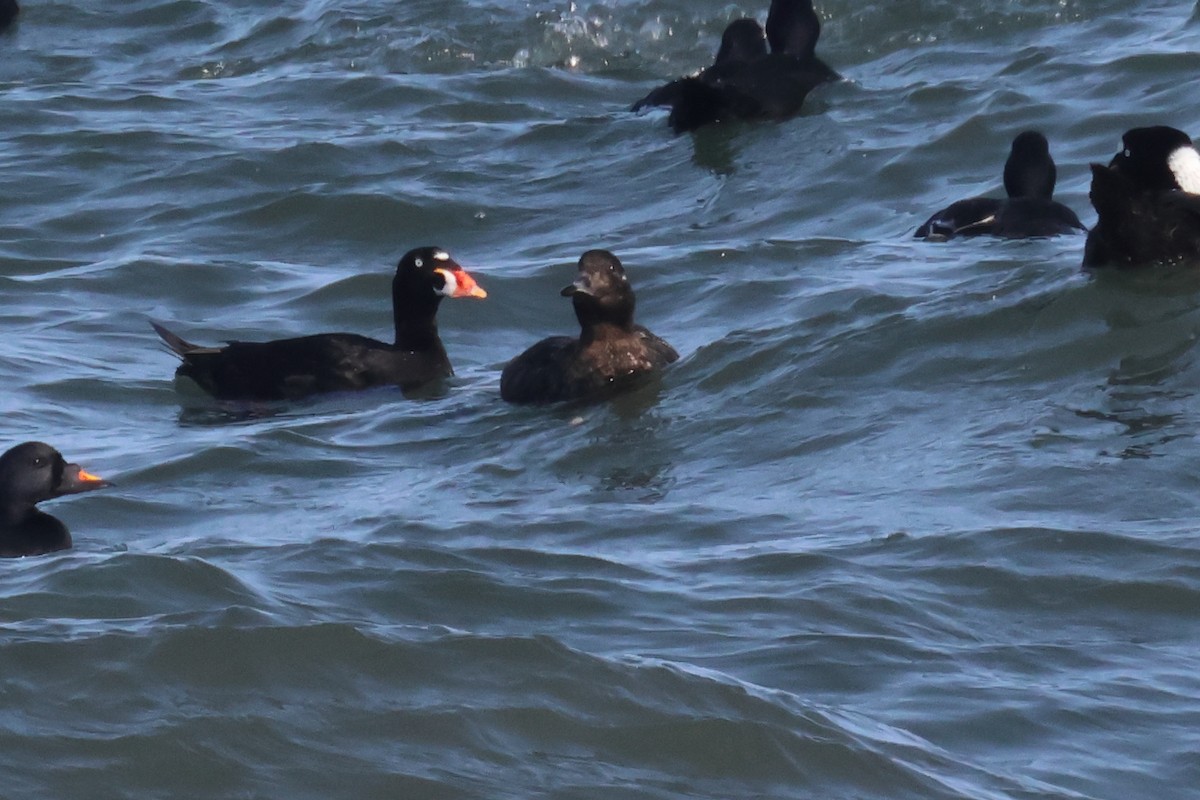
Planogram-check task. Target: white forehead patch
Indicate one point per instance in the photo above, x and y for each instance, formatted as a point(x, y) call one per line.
point(1185, 166)
point(441, 255)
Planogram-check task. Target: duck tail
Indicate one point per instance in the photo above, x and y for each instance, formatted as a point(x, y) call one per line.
point(178, 345)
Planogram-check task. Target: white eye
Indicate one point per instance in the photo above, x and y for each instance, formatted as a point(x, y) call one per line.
point(441, 255)
point(419, 262)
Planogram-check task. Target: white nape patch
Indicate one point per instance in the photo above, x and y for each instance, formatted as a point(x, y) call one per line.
point(441, 255)
point(1185, 166)
point(451, 283)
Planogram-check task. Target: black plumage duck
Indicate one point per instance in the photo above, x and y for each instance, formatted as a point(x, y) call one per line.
point(746, 81)
point(29, 474)
point(331, 362)
point(1148, 202)
point(1028, 211)
point(610, 354)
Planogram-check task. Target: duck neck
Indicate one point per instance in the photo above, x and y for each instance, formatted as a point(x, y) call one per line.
point(599, 322)
point(416, 321)
point(417, 334)
point(604, 330)
point(1031, 180)
point(14, 512)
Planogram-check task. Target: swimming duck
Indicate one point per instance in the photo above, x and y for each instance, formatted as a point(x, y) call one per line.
point(610, 354)
point(746, 81)
point(29, 474)
point(332, 362)
point(1148, 201)
point(1028, 211)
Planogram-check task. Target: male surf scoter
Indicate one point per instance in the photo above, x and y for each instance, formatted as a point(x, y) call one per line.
point(609, 355)
point(332, 362)
point(1028, 211)
point(746, 81)
point(30, 473)
point(1148, 201)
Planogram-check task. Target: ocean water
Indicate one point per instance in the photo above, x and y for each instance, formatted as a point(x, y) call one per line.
point(907, 520)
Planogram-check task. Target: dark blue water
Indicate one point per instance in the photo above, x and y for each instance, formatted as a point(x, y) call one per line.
point(906, 521)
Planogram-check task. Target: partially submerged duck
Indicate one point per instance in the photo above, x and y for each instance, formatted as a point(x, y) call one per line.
point(746, 81)
point(1148, 201)
point(610, 354)
point(1028, 211)
point(331, 362)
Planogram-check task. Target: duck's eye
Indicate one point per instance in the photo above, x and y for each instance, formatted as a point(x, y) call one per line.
point(1126, 152)
point(39, 462)
point(419, 262)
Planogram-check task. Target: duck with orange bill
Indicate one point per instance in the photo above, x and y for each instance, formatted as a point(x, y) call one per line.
point(31, 473)
point(286, 369)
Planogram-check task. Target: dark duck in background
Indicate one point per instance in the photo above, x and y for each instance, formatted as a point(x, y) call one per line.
point(746, 81)
point(1028, 211)
point(29, 474)
point(331, 362)
point(610, 354)
point(1148, 201)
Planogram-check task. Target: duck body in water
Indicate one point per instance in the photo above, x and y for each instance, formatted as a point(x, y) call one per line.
point(610, 354)
point(1148, 202)
point(1028, 211)
point(330, 362)
point(746, 80)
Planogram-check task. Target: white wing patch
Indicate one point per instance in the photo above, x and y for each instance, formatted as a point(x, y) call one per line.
point(1185, 166)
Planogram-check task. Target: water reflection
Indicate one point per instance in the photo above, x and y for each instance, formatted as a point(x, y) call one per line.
point(628, 450)
point(1152, 317)
point(201, 410)
point(712, 148)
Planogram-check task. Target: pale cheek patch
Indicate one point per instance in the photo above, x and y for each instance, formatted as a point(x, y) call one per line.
point(451, 283)
point(1185, 166)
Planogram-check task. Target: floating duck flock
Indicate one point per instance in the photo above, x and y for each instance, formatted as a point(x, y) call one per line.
point(1147, 200)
